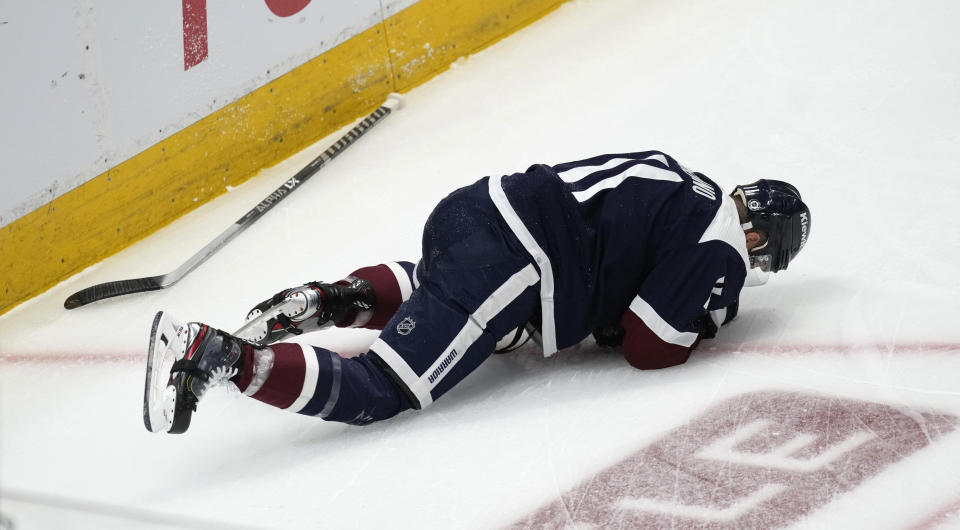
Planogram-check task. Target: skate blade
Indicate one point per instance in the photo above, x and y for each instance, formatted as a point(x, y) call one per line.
point(254, 328)
point(160, 395)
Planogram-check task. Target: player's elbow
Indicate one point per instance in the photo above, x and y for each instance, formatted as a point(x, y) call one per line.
point(645, 349)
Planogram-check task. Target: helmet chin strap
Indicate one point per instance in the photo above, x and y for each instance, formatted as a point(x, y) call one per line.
point(755, 276)
point(749, 226)
point(760, 247)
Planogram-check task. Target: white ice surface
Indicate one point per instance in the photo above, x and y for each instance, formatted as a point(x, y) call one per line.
point(857, 103)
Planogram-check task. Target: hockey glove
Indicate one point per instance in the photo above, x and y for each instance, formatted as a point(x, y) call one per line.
point(609, 336)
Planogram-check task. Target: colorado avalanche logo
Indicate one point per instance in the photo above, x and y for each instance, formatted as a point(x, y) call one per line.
point(406, 326)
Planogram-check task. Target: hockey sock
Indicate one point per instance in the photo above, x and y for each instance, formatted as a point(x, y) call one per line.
point(318, 382)
point(392, 282)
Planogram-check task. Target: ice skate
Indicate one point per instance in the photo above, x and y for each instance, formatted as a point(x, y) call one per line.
point(184, 361)
point(309, 307)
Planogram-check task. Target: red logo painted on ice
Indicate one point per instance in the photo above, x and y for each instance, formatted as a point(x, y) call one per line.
point(760, 460)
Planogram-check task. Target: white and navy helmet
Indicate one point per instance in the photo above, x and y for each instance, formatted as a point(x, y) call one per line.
point(775, 208)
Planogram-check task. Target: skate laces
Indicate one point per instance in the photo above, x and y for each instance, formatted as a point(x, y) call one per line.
point(212, 365)
point(227, 351)
point(220, 374)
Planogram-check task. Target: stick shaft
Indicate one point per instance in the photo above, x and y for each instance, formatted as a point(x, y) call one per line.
point(117, 288)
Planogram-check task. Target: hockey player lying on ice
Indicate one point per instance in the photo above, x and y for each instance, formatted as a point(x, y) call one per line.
point(633, 248)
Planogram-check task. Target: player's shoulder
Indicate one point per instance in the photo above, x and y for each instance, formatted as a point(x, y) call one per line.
point(612, 159)
point(711, 230)
point(612, 163)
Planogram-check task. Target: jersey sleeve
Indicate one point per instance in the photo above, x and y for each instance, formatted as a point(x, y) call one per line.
point(667, 318)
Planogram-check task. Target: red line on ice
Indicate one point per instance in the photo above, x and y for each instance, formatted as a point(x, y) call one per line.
point(943, 515)
point(73, 358)
point(813, 348)
point(759, 348)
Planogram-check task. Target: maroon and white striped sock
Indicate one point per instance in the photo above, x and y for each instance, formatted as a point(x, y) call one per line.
point(392, 282)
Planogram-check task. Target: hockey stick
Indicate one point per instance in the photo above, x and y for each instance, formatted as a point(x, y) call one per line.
point(153, 283)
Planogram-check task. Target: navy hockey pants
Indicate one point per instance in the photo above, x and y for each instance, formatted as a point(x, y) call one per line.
point(476, 284)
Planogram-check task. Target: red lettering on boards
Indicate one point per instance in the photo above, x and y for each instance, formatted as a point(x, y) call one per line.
point(286, 8)
point(195, 48)
point(194, 33)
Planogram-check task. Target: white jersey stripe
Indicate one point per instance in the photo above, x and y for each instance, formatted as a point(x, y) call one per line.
point(403, 280)
point(311, 372)
point(659, 158)
point(549, 326)
point(476, 324)
point(644, 171)
point(726, 227)
point(576, 174)
point(659, 326)
point(473, 328)
point(403, 371)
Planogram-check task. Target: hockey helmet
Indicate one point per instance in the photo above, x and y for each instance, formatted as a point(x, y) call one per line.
point(775, 208)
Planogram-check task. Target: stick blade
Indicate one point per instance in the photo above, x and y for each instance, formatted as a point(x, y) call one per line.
point(102, 291)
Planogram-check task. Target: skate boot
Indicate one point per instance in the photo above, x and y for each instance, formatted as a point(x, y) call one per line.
point(184, 361)
point(310, 307)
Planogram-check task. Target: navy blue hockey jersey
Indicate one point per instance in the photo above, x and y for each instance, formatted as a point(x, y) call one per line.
point(633, 239)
